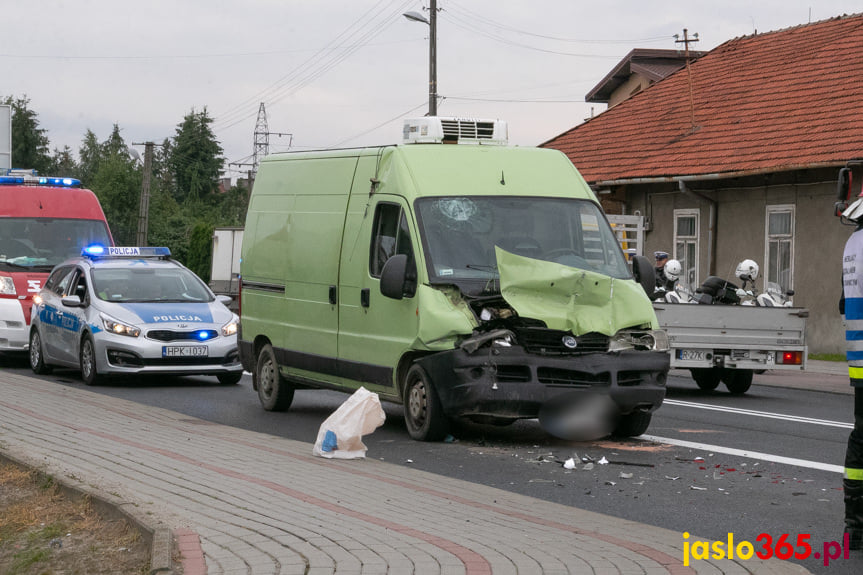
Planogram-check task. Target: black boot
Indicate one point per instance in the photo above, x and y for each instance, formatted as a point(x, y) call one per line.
point(854, 512)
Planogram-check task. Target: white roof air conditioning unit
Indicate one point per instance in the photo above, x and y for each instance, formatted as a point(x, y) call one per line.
point(438, 130)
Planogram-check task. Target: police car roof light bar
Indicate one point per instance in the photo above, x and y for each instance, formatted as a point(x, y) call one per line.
point(97, 251)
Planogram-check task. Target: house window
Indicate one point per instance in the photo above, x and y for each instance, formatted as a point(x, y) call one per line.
point(686, 245)
point(779, 247)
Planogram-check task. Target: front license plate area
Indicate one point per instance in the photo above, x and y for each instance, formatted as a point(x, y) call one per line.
point(185, 351)
point(692, 354)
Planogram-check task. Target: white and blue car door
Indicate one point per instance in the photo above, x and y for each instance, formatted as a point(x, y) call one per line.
point(73, 319)
point(51, 311)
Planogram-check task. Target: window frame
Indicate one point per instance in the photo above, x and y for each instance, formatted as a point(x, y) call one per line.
point(695, 238)
point(790, 238)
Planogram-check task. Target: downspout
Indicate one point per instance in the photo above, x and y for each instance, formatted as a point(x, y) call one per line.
point(711, 226)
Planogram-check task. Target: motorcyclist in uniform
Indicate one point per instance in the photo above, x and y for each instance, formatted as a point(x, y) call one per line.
point(851, 306)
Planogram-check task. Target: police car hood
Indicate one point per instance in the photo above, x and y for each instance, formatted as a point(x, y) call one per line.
point(170, 313)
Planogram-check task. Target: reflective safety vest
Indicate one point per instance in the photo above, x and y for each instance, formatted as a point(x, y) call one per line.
point(852, 280)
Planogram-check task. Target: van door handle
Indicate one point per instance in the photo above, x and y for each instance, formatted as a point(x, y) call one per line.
point(333, 294)
point(365, 297)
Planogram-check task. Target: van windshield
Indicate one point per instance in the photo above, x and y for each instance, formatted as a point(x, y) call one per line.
point(460, 234)
point(46, 242)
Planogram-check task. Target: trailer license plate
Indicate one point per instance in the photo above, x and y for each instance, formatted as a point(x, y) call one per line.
point(692, 354)
point(185, 351)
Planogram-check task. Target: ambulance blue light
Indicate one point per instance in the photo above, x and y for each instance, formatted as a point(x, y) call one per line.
point(29, 177)
point(203, 335)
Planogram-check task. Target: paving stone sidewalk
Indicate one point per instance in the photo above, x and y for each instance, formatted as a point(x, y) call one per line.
point(241, 502)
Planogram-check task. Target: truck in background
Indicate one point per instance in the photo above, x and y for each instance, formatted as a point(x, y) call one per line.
point(225, 265)
point(43, 221)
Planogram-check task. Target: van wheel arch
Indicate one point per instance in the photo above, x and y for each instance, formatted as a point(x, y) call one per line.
point(402, 369)
point(257, 346)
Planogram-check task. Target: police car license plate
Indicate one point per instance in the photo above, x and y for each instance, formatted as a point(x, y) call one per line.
point(691, 354)
point(185, 351)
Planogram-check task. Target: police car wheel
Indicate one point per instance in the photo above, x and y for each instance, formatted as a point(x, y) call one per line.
point(89, 373)
point(424, 416)
point(274, 391)
point(37, 358)
point(230, 378)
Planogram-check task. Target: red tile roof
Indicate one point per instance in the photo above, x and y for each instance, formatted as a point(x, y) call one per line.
point(770, 102)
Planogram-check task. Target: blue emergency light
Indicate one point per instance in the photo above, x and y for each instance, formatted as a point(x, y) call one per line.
point(95, 251)
point(18, 177)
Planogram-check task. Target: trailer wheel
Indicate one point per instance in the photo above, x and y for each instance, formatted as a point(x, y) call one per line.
point(274, 391)
point(737, 381)
point(632, 424)
point(424, 416)
point(707, 378)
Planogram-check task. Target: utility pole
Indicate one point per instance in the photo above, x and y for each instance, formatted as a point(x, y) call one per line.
point(433, 58)
point(686, 41)
point(262, 144)
point(144, 208)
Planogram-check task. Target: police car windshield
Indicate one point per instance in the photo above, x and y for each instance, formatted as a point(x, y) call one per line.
point(150, 284)
point(39, 242)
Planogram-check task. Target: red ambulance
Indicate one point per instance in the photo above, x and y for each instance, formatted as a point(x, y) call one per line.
point(43, 222)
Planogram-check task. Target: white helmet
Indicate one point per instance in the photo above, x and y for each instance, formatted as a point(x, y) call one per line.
point(747, 270)
point(854, 211)
point(673, 270)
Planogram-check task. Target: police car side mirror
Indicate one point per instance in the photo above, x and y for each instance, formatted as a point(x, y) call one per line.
point(224, 299)
point(394, 276)
point(72, 301)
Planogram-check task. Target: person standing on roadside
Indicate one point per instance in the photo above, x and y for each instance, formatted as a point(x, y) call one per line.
point(851, 306)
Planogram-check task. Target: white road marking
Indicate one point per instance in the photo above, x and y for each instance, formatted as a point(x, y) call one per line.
point(744, 453)
point(767, 414)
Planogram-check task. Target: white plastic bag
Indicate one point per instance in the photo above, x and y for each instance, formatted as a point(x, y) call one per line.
point(340, 435)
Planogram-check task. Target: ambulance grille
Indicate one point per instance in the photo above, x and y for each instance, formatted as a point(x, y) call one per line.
point(170, 335)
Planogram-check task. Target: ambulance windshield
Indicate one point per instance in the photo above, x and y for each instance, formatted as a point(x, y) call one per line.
point(460, 235)
point(46, 242)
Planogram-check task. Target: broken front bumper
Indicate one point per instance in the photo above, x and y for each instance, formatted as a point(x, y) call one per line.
point(509, 383)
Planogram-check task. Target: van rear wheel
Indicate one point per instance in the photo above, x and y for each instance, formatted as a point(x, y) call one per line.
point(274, 391)
point(424, 416)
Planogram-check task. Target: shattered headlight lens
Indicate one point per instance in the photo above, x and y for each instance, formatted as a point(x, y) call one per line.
point(654, 340)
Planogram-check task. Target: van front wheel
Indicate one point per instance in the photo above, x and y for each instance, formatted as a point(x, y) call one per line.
point(424, 416)
point(274, 391)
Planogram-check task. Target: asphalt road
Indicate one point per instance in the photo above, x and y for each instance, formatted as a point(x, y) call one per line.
point(766, 462)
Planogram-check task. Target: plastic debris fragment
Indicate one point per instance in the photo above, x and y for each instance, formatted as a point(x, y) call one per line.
point(603, 461)
point(625, 475)
point(697, 488)
point(569, 463)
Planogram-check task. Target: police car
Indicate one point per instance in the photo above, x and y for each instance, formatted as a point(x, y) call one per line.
point(132, 310)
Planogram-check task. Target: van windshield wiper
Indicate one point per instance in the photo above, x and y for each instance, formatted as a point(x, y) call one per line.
point(482, 268)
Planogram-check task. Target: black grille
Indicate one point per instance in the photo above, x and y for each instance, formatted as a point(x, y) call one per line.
point(513, 373)
point(629, 378)
point(544, 341)
point(162, 361)
point(171, 335)
point(570, 378)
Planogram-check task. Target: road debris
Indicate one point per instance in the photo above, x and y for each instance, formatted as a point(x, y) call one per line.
point(625, 475)
point(697, 488)
point(672, 478)
point(603, 461)
point(569, 463)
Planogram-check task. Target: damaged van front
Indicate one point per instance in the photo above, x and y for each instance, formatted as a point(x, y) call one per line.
point(548, 311)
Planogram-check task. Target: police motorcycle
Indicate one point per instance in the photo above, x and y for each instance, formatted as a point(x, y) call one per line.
point(672, 291)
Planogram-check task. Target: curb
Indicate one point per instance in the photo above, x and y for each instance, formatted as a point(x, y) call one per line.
point(159, 539)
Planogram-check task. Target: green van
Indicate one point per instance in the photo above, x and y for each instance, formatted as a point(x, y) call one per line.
point(452, 274)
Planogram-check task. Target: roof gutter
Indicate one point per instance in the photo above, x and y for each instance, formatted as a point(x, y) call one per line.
point(711, 226)
point(718, 175)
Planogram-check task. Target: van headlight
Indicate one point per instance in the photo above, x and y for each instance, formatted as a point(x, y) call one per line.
point(230, 328)
point(653, 340)
point(120, 328)
point(7, 286)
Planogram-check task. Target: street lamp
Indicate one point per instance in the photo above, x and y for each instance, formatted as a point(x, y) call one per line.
point(432, 23)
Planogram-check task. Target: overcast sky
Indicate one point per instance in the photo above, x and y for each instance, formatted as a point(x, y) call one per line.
point(336, 73)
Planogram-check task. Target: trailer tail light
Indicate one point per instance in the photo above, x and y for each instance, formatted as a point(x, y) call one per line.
point(790, 357)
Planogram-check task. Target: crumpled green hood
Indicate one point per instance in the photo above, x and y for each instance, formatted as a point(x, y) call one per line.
point(571, 299)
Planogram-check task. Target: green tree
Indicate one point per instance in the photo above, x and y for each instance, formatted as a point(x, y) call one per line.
point(29, 141)
point(63, 163)
point(117, 183)
point(200, 252)
point(196, 158)
point(89, 155)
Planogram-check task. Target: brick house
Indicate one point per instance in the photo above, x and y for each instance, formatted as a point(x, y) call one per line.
point(737, 157)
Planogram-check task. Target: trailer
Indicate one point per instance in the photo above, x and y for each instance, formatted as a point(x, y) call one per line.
point(225, 267)
point(729, 343)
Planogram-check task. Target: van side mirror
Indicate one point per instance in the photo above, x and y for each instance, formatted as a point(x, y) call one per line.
point(645, 274)
point(394, 276)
